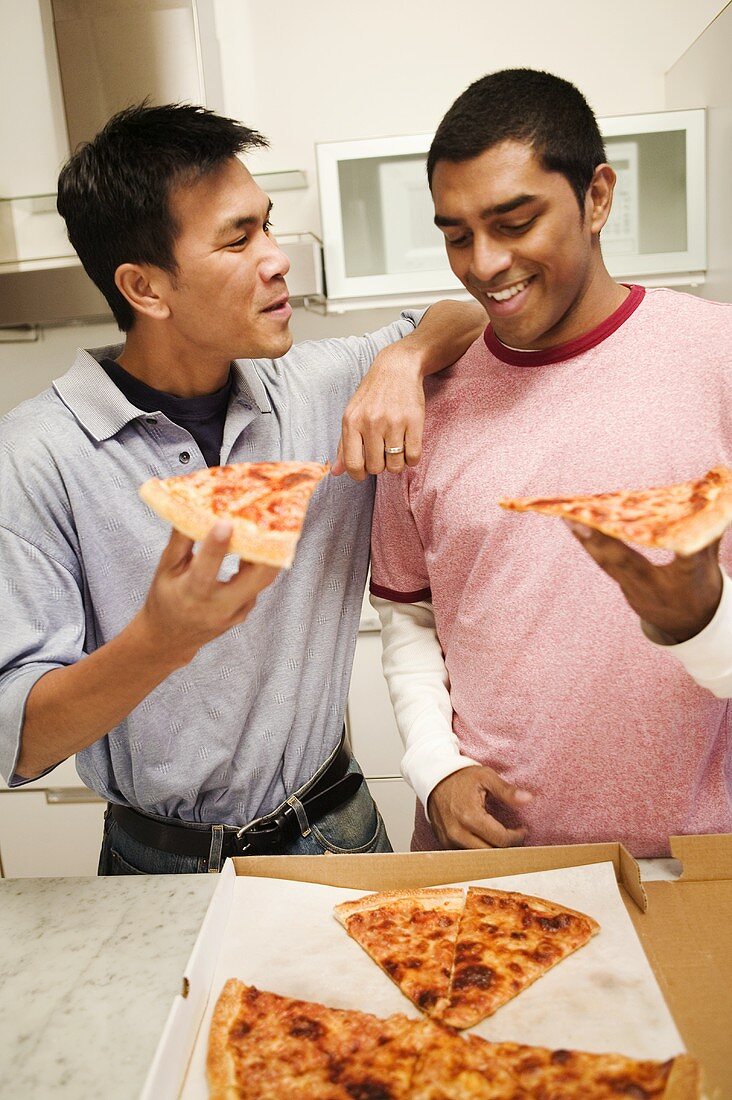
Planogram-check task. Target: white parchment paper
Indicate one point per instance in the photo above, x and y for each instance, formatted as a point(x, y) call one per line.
point(283, 937)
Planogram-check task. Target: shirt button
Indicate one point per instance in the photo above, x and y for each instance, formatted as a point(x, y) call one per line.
point(151, 419)
point(184, 457)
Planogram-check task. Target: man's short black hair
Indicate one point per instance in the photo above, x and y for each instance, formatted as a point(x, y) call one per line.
point(530, 106)
point(114, 191)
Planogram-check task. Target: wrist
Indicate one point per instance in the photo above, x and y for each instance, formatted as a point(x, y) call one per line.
point(155, 650)
point(417, 358)
point(678, 632)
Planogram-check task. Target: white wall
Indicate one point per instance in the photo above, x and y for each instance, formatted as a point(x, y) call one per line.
point(703, 75)
point(330, 70)
point(335, 69)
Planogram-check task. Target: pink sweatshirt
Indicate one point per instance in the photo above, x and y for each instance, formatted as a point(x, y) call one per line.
point(552, 682)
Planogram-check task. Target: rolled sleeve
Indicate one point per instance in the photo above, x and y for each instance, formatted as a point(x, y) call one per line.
point(41, 628)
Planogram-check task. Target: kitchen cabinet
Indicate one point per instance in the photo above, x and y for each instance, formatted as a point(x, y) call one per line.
point(381, 246)
point(396, 801)
point(50, 833)
point(51, 826)
point(374, 736)
point(35, 254)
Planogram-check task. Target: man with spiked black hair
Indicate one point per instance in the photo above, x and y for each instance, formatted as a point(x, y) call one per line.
point(203, 697)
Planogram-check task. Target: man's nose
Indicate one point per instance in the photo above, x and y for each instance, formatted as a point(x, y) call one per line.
point(275, 262)
point(489, 258)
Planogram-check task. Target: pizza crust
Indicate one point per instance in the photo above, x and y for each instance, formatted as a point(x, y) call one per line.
point(691, 535)
point(219, 1063)
point(429, 898)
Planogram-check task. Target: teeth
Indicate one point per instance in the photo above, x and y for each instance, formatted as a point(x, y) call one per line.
point(510, 292)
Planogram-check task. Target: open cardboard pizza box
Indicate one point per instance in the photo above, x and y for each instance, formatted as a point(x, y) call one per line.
point(269, 923)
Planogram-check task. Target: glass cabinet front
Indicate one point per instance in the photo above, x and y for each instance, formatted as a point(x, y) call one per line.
point(380, 240)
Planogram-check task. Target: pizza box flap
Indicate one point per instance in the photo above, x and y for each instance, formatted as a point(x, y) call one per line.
point(686, 933)
point(398, 870)
point(703, 858)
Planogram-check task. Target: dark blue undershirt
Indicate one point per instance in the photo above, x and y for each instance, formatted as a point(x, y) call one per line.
point(204, 417)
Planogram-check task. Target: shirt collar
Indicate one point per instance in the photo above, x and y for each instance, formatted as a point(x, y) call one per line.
point(103, 410)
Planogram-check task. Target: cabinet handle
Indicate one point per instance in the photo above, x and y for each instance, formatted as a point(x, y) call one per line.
point(70, 796)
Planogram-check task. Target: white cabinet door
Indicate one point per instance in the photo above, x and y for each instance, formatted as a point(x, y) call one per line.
point(373, 732)
point(396, 804)
point(40, 838)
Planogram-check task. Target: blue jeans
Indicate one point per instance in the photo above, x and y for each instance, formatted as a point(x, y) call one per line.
point(355, 827)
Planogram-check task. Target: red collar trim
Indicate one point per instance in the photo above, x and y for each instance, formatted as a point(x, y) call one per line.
point(574, 347)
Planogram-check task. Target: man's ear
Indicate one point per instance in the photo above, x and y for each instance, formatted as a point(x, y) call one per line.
point(145, 288)
point(599, 199)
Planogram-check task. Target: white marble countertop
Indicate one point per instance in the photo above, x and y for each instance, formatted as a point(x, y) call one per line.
point(89, 968)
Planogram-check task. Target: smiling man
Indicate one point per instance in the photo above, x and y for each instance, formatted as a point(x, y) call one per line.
point(210, 722)
point(532, 707)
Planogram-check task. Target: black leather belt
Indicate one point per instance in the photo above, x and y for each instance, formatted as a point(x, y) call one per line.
point(265, 835)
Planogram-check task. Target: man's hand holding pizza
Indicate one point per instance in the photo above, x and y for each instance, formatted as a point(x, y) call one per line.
point(457, 809)
point(674, 601)
point(187, 605)
point(382, 425)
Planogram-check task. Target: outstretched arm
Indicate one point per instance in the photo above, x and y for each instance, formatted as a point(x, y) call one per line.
point(387, 410)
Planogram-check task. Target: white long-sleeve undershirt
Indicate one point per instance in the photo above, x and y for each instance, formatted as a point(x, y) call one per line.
point(414, 667)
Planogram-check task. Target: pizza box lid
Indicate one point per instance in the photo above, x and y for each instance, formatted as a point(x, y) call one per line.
point(685, 927)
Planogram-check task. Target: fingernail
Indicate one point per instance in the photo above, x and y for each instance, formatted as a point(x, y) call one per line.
point(579, 530)
point(523, 796)
point(222, 530)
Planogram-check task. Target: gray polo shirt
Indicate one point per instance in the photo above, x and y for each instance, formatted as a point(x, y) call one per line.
point(258, 709)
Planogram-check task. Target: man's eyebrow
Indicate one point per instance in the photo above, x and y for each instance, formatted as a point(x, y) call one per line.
point(500, 208)
point(232, 225)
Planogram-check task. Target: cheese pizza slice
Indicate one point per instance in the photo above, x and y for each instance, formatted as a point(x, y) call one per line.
point(266, 503)
point(263, 1046)
point(579, 1075)
point(684, 517)
point(505, 941)
point(411, 935)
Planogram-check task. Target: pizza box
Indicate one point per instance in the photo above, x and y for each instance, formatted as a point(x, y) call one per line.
point(684, 927)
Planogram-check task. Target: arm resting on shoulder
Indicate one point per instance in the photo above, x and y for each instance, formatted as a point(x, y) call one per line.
point(415, 671)
point(387, 409)
point(707, 657)
point(444, 333)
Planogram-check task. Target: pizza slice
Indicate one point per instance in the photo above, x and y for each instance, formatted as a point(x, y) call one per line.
point(411, 935)
point(263, 1046)
point(684, 517)
point(578, 1075)
point(505, 941)
point(451, 1066)
point(266, 503)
